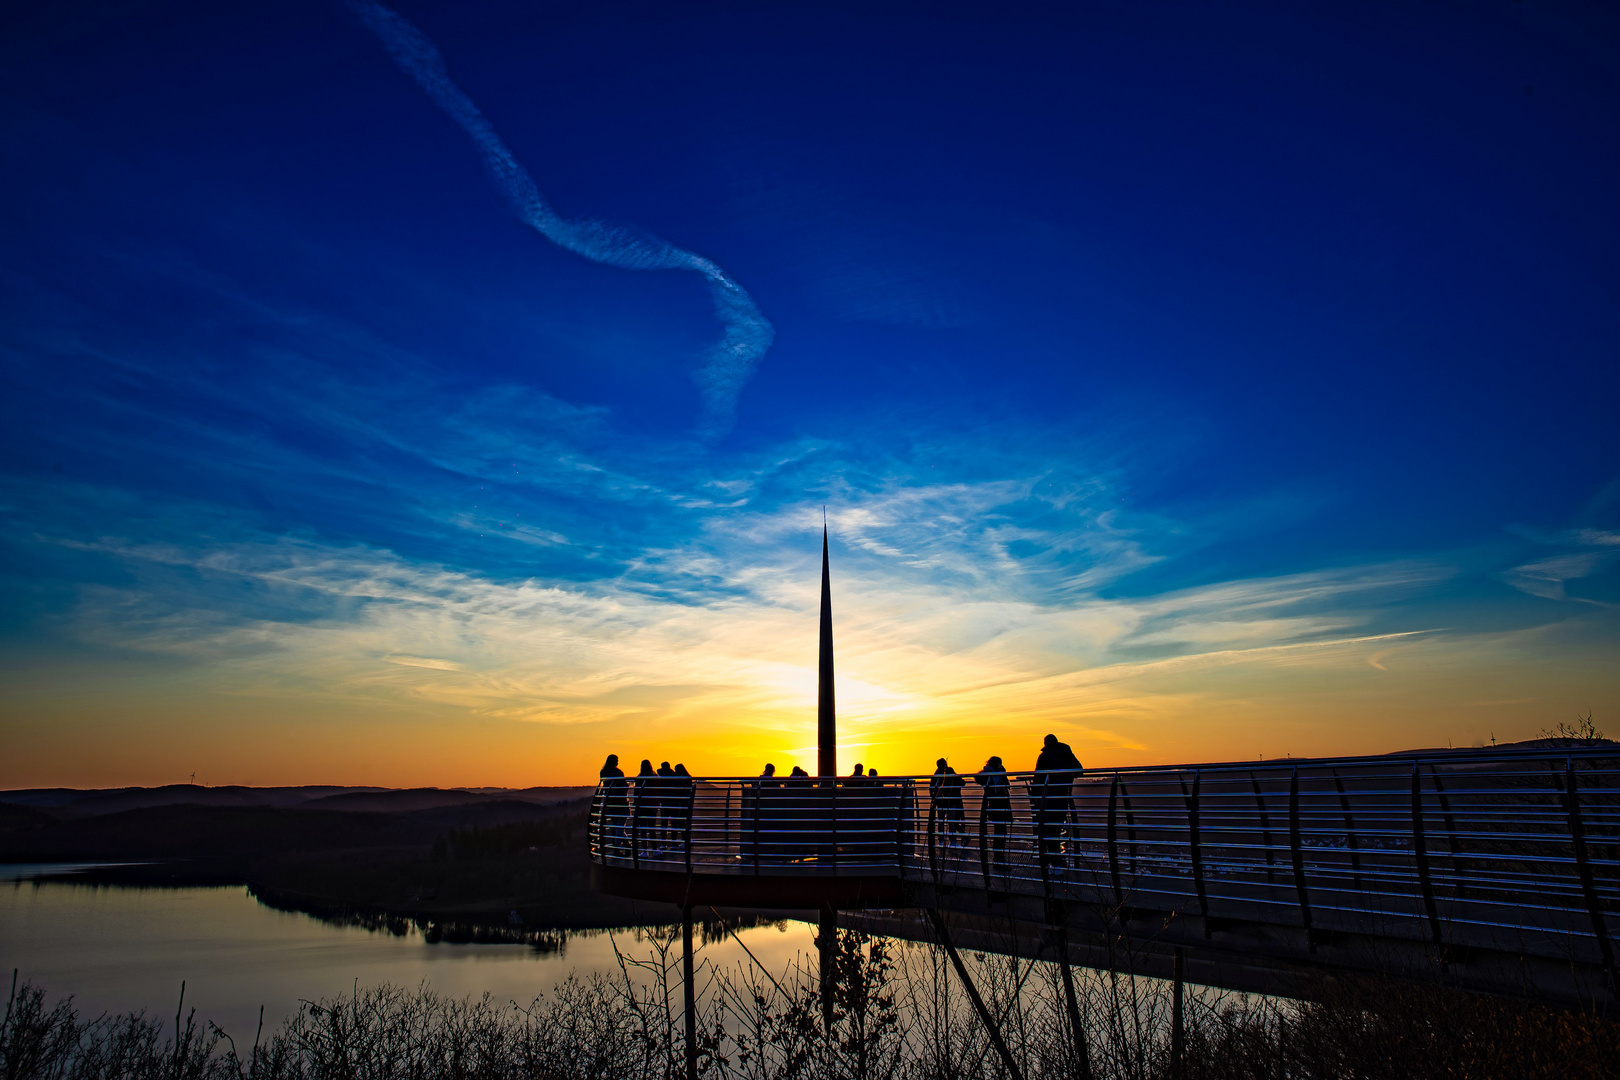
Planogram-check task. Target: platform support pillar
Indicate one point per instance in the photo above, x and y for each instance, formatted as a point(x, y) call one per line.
point(689, 994)
point(827, 943)
point(1178, 1030)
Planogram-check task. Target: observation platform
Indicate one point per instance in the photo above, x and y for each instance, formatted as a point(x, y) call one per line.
point(1495, 870)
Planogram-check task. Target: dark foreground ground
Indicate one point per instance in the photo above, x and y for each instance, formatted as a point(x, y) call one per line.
point(454, 857)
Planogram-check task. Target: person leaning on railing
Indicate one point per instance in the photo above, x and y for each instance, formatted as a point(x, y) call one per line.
point(995, 816)
point(656, 794)
point(613, 808)
point(796, 825)
point(678, 804)
point(945, 790)
point(767, 808)
point(1052, 789)
point(643, 816)
point(748, 810)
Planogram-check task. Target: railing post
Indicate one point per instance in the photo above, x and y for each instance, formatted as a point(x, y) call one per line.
point(1038, 814)
point(984, 840)
point(832, 802)
point(691, 812)
point(1583, 865)
point(1420, 849)
point(1194, 846)
point(635, 830)
point(593, 825)
point(756, 786)
point(1113, 841)
point(1265, 830)
point(1130, 824)
point(1451, 830)
point(1349, 830)
point(1297, 846)
point(902, 793)
point(933, 850)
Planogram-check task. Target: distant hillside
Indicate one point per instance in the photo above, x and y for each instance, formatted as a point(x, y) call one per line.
point(465, 857)
point(235, 834)
point(72, 802)
point(408, 799)
point(75, 803)
point(1547, 743)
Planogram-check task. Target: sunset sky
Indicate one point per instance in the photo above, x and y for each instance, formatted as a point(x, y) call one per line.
point(450, 394)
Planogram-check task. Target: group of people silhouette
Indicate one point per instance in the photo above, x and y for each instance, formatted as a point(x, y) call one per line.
point(661, 805)
point(654, 808)
point(860, 772)
point(1051, 796)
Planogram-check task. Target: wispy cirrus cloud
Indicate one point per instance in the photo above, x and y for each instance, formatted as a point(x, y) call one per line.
point(357, 623)
point(520, 562)
point(1595, 550)
point(747, 335)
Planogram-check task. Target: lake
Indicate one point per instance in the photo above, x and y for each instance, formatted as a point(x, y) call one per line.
point(119, 949)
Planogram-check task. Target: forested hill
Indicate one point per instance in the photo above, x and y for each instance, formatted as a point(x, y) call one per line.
point(463, 855)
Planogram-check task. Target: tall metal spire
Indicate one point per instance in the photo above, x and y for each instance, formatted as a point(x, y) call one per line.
point(826, 712)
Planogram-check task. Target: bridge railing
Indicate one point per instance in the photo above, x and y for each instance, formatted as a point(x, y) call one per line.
point(1517, 850)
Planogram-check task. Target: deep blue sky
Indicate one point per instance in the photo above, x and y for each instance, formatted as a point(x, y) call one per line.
point(1088, 309)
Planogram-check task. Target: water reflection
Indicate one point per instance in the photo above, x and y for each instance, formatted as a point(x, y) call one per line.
point(432, 931)
point(118, 948)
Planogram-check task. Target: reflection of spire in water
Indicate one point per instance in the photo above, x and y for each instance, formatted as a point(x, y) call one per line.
point(826, 712)
point(826, 765)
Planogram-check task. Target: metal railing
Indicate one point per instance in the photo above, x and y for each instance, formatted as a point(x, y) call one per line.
point(1500, 849)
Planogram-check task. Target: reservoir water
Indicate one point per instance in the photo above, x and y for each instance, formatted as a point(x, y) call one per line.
point(119, 949)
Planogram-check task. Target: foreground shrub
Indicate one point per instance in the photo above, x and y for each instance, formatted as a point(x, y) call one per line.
point(896, 1012)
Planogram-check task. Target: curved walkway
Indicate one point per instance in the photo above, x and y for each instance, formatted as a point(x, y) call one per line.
point(1497, 868)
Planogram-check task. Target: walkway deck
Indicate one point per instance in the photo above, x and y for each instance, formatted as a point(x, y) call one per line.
point(1499, 868)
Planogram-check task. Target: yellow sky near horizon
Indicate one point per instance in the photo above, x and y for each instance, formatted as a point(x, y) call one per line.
point(1355, 695)
point(359, 666)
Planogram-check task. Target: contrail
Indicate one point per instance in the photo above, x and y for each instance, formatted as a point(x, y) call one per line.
point(747, 335)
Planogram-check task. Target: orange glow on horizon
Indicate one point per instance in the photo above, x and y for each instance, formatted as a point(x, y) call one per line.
point(1354, 697)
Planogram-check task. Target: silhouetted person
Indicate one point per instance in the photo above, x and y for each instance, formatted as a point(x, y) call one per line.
point(614, 812)
point(865, 817)
point(766, 812)
point(887, 820)
point(851, 810)
point(795, 820)
point(1056, 770)
point(682, 790)
point(995, 817)
point(645, 786)
point(945, 790)
point(857, 776)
